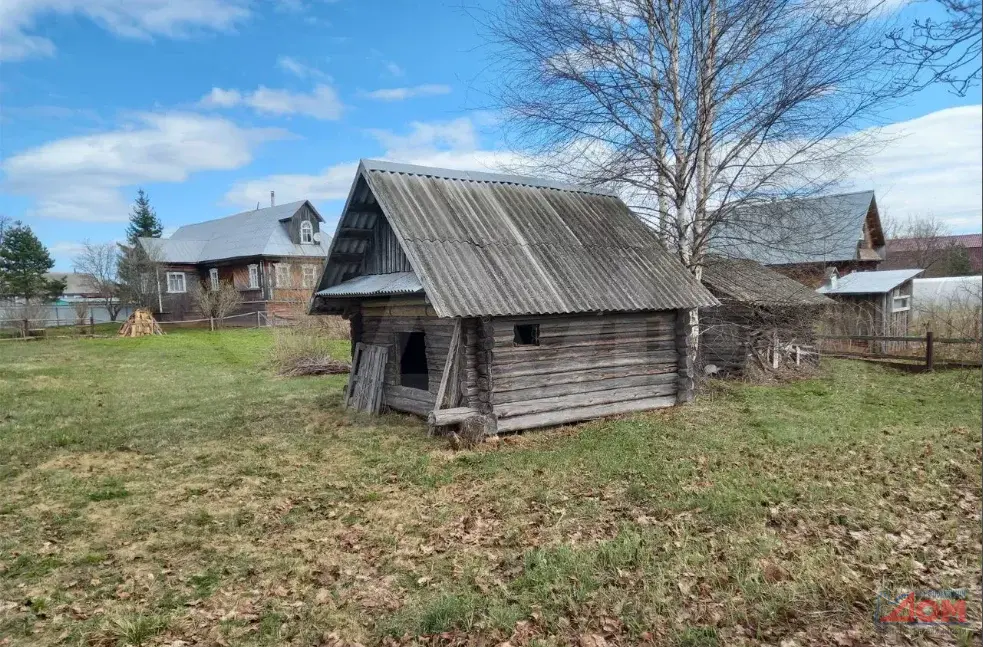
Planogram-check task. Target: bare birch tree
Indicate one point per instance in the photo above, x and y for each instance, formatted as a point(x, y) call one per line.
point(100, 261)
point(693, 109)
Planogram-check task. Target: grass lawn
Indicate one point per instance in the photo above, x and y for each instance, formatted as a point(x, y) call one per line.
point(169, 489)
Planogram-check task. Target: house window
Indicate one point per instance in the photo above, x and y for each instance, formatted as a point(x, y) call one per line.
point(310, 276)
point(526, 335)
point(901, 304)
point(306, 233)
point(413, 370)
point(254, 277)
point(282, 275)
point(213, 278)
point(175, 282)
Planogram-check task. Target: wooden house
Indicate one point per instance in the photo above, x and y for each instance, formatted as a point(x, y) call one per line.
point(765, 320)
point(804, 237)
point(871, 303)
point(514, 301)
point(273, 256)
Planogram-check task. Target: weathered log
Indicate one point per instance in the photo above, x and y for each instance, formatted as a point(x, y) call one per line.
point(580, 400)
point(575, 340)
point(625, 347)
point(565, 416)
point(579, 364)
point(445, 417)
point(408, 393)
point(397, 403)
point(571, 388)
point(510, 382)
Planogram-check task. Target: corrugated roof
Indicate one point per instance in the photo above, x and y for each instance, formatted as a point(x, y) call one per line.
point(869, 282)
point(967, 241)
point(376, 285)
point(825, 229)
point(752, 283)
point(487, 244)
point(260, 232)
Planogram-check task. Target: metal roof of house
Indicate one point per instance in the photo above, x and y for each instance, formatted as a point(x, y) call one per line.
point(75, 284)
point(489, 244)
point(376, 285)
point(966, 241)
point(259, 232)
point(869, 282)
point(752, 283)
point(803, 230)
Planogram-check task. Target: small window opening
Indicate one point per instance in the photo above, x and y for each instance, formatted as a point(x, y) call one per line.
point(527, 335)
point(413, 371)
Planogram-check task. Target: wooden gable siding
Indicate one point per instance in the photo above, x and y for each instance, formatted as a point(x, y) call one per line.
point(583, 367)
point(293, 225)
point(384, 254)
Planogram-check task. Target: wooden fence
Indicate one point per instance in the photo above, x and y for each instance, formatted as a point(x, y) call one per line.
point(930, 351)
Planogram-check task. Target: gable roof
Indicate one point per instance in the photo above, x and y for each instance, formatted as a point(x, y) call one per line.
point(869, 282)
point(491, 244)
point(824, 229)
point(259, 232)
point(75, 284)
point(752, 283)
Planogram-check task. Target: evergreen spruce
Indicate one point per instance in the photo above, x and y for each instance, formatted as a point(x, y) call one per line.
point(144, 222)
point(24, 260)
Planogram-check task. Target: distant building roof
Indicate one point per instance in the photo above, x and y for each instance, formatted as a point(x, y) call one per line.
point(869, 282)
point(75, 284)
point(968, 241)
point(260, 232)
point(490, 244)
point(802, 230)
point(752, 283)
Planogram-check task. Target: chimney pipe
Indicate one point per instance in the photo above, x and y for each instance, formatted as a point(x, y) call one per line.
point(272, 200)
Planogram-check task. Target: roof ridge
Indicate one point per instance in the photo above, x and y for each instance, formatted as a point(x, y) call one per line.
point(236, 215)
point(492, 177)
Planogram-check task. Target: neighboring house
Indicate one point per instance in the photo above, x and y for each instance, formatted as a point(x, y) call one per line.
point(505, 301)
point(765, 320)
point(78, 287)
point(803, 238)
point(871, 303)
point(273, 256)
point(938, 256)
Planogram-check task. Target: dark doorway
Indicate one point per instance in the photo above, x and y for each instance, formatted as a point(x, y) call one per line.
point(413, 360)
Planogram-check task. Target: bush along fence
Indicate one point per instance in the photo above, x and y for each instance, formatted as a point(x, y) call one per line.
point(928, 350)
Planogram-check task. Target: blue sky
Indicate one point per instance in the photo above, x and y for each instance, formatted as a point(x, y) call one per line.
point(210, 104)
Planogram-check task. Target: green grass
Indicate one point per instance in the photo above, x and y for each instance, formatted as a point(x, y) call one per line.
point(173, 488)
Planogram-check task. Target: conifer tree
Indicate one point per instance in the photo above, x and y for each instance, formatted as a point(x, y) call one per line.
point(144, 222)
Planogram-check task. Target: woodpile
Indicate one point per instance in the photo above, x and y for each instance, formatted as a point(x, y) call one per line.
point(140, 324)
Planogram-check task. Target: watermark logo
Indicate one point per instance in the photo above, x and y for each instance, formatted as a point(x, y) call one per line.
point(921, 608)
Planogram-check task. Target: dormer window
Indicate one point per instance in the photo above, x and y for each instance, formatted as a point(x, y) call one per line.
point(306, 233)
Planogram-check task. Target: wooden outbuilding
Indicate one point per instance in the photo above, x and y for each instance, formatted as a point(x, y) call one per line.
point(513, 301)
point(766, 321)
point(871, 303)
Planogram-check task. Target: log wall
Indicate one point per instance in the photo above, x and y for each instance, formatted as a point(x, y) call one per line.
point(583, 367)
point(381, 323)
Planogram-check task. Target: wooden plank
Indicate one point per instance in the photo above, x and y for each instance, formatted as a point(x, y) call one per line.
point(511, 382)
point(408, 393)
point(352, 372)
point(570, 388)
point(579, 364)
point(579, 400)
point(589, 319)
point(370, 379)
point(397, 403)
point(622, 347)
point(578, 414)
point(455, 416)
point(448, 364)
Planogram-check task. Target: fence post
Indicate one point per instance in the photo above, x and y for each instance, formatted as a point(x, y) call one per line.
point(258, 324)
point(929, 352)
point(92, 325)
point(26, 327)
point(211, 324)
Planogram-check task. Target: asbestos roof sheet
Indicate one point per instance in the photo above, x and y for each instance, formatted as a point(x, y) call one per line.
point(824, 229)
point(376, 285)
point(487, 244)
point(869, 282)
point(752, 283)
point(259, 232)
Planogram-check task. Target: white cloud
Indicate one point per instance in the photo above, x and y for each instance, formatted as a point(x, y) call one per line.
point(399, 94)
point(394, 69)
point(292, 66)
point(81, 178)
point(449, 144)
point(126, 18)
point(321, 103)
point(930, 165)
